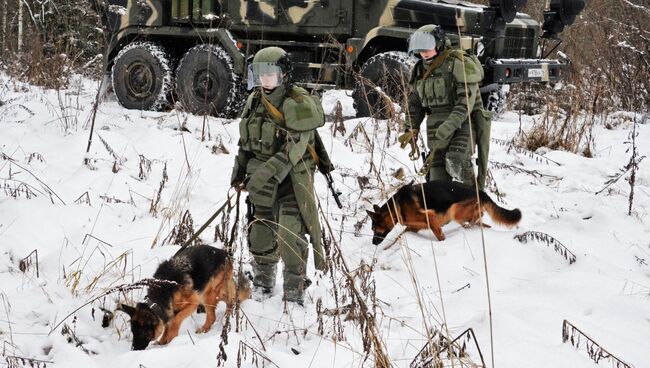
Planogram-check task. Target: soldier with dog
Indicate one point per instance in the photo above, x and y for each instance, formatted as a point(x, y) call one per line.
point(279, 150)
point(445, 90)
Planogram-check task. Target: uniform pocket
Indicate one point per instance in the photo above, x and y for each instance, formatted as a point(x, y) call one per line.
point(429, 92)
point(255, 134)
point(420, 88)
point(267, 138)
point(440, 90)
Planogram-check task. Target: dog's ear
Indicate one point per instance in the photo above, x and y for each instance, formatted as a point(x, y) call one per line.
point(107, 318)
point(126, 309)
point(371, 214)
point(376, 208)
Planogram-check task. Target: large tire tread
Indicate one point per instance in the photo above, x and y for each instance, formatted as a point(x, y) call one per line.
point(158, 76)
point(226, 100)
point(388, 70)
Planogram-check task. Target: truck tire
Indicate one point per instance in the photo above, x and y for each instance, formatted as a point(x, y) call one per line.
point(389, 71)
point(142, 76)
point(206, 82)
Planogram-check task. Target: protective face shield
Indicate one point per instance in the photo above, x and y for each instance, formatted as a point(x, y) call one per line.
point(265, 75)
point(421, 41)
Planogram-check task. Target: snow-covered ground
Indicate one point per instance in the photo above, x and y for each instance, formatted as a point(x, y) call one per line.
point(93, 229)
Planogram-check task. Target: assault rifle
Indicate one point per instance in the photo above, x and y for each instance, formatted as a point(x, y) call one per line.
point(335, 193)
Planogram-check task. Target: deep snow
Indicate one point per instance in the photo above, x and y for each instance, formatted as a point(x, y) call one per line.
point(85, 248)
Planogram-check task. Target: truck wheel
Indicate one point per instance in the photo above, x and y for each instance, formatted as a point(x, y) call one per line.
point(389, 71)
point(142, 77)
point(206, 82)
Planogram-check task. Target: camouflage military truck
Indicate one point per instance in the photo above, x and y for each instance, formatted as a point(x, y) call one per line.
point(195, 51)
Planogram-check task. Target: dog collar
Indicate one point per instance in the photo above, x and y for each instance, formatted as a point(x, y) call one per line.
point(158, 311)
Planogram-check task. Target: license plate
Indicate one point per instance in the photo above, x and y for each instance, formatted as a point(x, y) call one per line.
point(535, 73)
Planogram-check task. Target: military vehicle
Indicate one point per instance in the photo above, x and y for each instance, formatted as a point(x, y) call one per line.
point(195, 51)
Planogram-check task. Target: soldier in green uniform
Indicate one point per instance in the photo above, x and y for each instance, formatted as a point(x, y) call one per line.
point(445, 89)
point(276, 162)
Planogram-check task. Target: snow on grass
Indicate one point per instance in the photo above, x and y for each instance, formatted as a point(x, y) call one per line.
point(86, 248)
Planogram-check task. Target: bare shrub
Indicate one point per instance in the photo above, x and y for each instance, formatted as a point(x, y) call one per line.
point(62, 35)
point(596, 352)
point(566, 124)
point(608, 47)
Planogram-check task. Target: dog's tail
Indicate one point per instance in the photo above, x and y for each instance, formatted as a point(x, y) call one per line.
point(499, 214)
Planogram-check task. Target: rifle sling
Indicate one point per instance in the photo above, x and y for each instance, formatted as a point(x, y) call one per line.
point(436, 63)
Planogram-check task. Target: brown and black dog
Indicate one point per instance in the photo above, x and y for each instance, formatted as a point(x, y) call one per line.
point(445, 201)
point(199, 275)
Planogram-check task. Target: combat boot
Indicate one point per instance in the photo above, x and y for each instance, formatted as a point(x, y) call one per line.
point(294, 296)
point(263, 279)
point(294, 287)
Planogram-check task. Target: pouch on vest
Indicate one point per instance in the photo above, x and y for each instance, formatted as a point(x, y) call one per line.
point(467, 68)
point(267, 138)
point(253, 132)
point(302, 112)
point(440, 90)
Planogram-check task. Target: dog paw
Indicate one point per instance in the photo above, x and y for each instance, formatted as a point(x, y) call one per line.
point(201, 330)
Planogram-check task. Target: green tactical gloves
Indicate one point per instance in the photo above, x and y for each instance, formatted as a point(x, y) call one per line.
point(446, 131)
point(410, 137)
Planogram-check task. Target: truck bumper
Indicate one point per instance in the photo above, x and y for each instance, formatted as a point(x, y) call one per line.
point(525, 70)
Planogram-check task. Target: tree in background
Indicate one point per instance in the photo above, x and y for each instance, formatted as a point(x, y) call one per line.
point(59, 37)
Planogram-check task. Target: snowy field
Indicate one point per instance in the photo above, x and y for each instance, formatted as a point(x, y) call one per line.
point(93, 228)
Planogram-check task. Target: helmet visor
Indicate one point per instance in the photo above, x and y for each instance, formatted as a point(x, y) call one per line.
point(265, 75)
point(421, 41)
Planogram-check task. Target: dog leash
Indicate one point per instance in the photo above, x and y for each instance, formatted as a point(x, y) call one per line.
point(198, 232)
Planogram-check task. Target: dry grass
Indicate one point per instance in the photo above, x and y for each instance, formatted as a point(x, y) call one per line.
point(566, 124)
point(61, 38)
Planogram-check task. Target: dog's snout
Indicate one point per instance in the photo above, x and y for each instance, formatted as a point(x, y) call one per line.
point(139, 346)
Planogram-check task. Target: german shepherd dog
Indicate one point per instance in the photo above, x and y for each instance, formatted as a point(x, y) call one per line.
point(445, 201)
point(199, 275)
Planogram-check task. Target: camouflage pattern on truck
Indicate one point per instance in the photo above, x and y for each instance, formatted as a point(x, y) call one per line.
point(332, 41)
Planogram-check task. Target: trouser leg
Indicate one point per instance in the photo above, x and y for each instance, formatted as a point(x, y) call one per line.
point(263, 247)
point(452, 160)
point(293, 247)
point(458, 159)
point(437, 171)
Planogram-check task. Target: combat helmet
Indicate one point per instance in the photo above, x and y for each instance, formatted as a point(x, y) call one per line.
point(270, 63)
point(427, 37)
